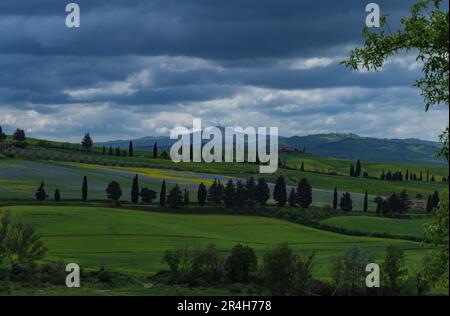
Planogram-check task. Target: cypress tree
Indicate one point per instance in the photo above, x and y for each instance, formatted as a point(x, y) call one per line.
point(241, 194)
point(302, 168)
point(304, 193)
point(250, 188)
point(279, 192)
point(155, 150)
point(104, 151)
point(57, 195)
point(358, 168)
point(229, 194)
point(335, 198)
point(421, 177)
point(201, 194)
point(130, 149)
point(352, 171)
point(262, 192)
point(366, 206)
point(186, 197)
point(84, 189)
point(110, 151)
point(162, 194)
point(135, 190)
point(407, 175)
point(427, 177)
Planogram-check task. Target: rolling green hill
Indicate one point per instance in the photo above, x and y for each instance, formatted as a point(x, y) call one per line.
point(135, 241)
point(372, 224)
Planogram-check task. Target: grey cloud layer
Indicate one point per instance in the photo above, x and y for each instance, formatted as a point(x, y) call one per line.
point(136, 67)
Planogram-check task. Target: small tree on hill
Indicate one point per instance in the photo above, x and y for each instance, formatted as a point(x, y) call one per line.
point(147, 195)
point(57, 195)
point(162, 194)
point(335, 199)
point(262, 192)
point(135, 190)
point(304, 193)
point(130, 149)
point(114, 192)
point(358, 168)
point(352, 171)
point(241, 194)
point(40, 194)
point(175, 197)
point(250, 189)
point(186, 197)
point(19, 135)
point(87, 142)
point(346, 203)
point(229, 194)
point(84, 189)
point(155, 150)
point(201, 194)
point(215, 192)
point(366, 205)
point(279, 191)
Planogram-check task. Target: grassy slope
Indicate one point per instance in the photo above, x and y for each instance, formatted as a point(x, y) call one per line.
point(399, 227)
point(134, 241)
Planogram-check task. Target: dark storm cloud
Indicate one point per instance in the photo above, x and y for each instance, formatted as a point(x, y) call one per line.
point(231, 29)
point(137, 66)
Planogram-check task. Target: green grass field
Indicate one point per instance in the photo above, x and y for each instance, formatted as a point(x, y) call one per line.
point(135, 241)
point(372, 224)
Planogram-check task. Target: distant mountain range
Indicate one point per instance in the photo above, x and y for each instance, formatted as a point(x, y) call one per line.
point(347, 146)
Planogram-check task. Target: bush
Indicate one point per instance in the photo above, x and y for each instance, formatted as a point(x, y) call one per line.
point(241, 264)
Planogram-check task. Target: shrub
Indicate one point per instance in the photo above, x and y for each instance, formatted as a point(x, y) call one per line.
point(241, 264)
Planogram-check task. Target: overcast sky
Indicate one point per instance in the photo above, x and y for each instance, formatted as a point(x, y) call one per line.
point(138, 67)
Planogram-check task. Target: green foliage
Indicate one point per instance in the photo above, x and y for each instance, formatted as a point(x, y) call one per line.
point(40, 193)
point(19, 135)
point(394, 271)
point(135, 190)
point(113, 191)
point(262, 192)
point(162, 194)
point(437, 230)
point(346, 203)
point(201, 194)
point(278, 269)
point(425, 31)
point(216, 192)
point(87, 142)
point(147, 195)
point(84, 189)
point(279, 191)
point(175, 197)
point(229, 194)
point(241, 264)
point(304, 193)
point(186, 197)
point(348, 271)
point(19, 242)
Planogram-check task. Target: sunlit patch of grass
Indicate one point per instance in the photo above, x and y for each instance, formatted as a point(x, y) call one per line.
point(21, 186)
